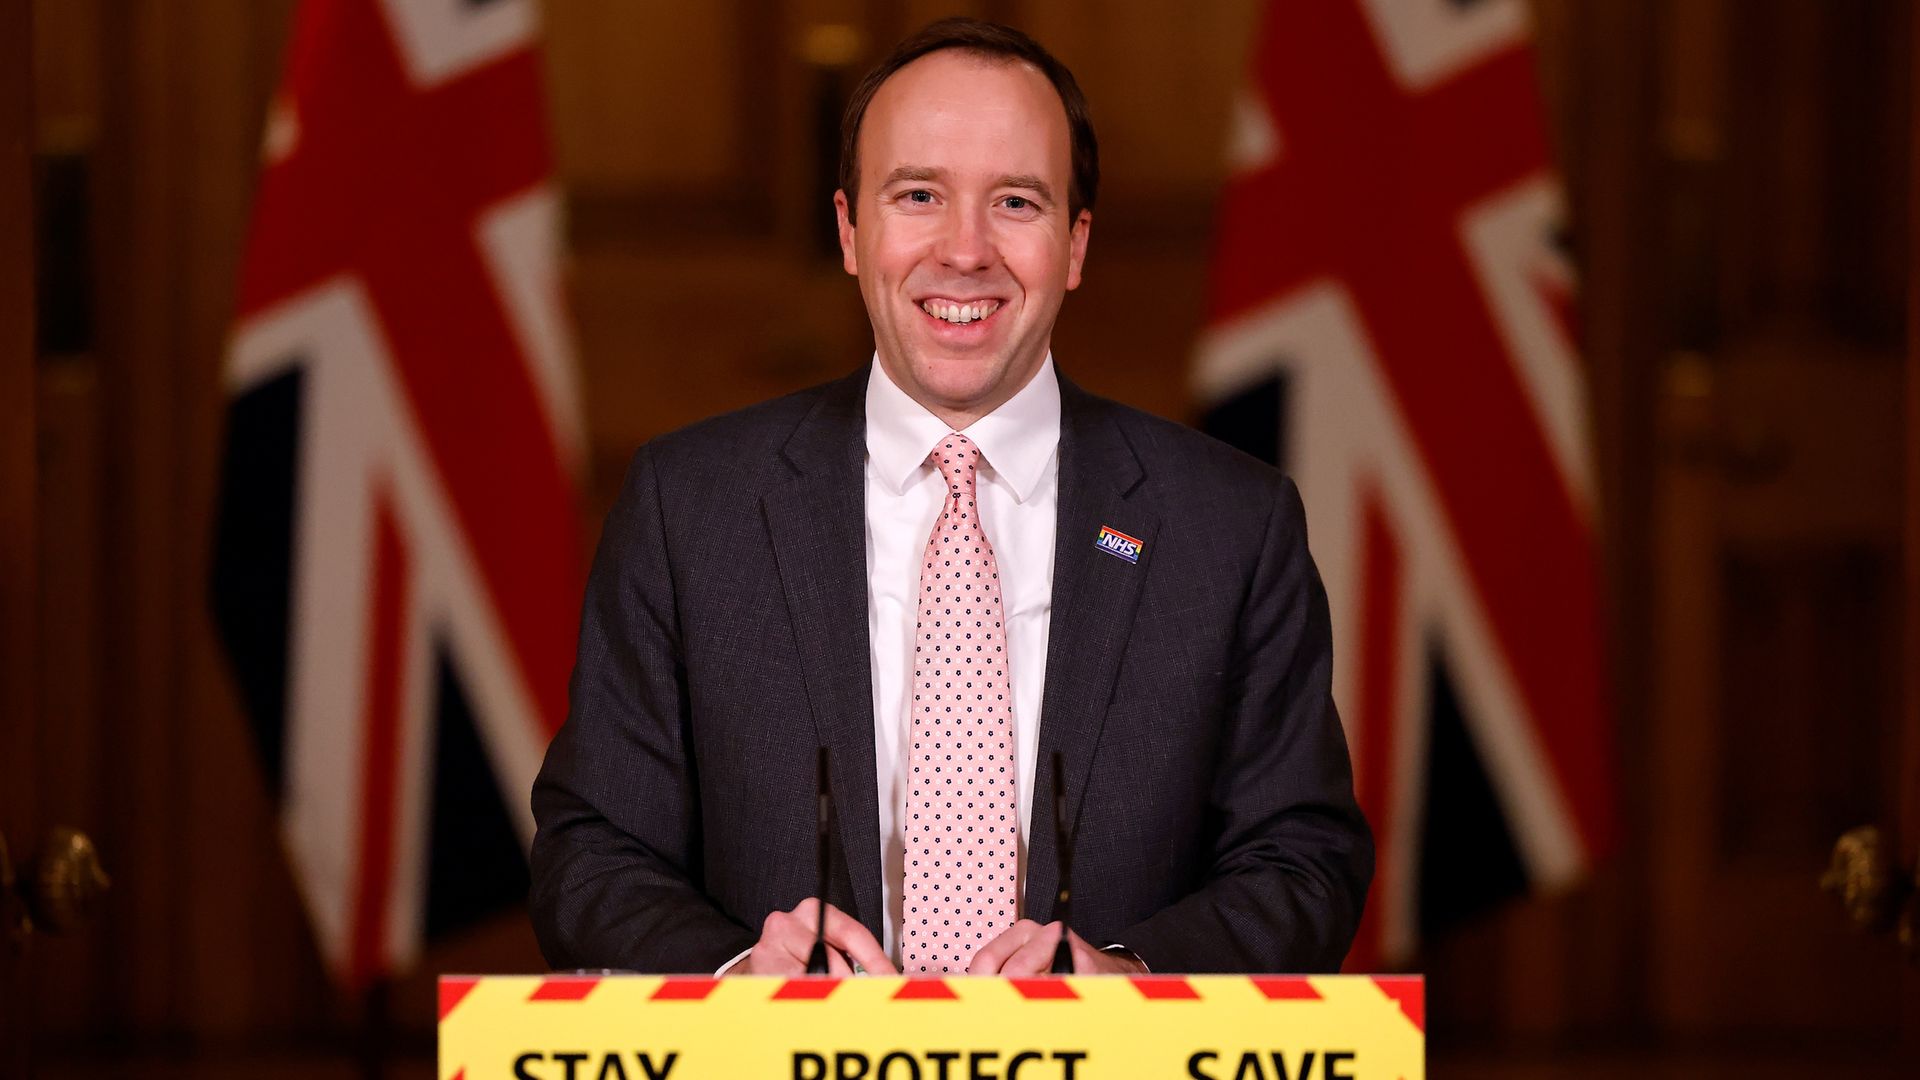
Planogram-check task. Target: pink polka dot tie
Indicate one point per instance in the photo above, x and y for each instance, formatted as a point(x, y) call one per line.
point(961, 815)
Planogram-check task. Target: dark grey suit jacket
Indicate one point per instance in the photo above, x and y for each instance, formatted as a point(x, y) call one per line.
point(724, 639)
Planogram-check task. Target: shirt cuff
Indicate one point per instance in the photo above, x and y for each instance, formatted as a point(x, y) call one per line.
point(1130, 954)
point(728, 966)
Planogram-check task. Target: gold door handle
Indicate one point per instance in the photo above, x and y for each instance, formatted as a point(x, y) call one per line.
point(1878, 894)
point(58, 892)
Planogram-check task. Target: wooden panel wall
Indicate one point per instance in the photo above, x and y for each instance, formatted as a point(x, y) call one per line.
point(1910, 754)
point(1787, 280)
point(19, 580)
point(153, 112)
point(1733, 170)
point(18, 562)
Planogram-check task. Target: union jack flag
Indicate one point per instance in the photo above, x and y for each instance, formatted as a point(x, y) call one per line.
point(1391, 318)
point(397, 570)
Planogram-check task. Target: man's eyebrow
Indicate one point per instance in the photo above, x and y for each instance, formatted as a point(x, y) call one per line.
point(911, 172)
point(1031, 183)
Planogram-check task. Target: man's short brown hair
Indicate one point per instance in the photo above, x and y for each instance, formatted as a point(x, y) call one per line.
point(991, 41)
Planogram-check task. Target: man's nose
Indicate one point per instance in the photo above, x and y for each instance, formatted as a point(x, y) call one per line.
point(966, 244)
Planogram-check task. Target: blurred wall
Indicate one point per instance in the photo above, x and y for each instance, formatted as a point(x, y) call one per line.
point(1739, 177)
point(19, 565)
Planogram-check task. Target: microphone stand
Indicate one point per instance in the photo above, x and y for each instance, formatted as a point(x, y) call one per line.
point(817, 961)
point(1063, 850)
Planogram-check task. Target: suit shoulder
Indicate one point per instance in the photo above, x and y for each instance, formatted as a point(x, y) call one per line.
point(1231, 508)
point(1186, 455)
point(744, 440)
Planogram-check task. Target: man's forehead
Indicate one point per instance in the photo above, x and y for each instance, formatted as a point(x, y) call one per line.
point(965, 66)
point(1003, 92)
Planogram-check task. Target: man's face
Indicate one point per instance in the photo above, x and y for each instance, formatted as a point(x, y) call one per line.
point(963, 246)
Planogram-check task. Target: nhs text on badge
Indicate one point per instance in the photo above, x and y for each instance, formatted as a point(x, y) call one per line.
point(1118, 544)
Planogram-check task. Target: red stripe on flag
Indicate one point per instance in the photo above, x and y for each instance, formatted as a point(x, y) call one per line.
point(564, 988)
point(1362, 165)
point(453, 990)
point(685, 989)
point(1382, 608)
point(812, 988)
point(1164, 988)
point(1285, 987)
point(392, 579)
point(1044, 989)
point(925, 990)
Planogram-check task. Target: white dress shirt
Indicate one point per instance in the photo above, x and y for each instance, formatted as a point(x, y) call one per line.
point(1015, 489)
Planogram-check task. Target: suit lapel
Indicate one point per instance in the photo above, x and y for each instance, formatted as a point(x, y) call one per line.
point(1094, 597)
point(816, 522)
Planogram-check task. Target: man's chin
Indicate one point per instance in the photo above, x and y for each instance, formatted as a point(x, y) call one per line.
point(963, 376)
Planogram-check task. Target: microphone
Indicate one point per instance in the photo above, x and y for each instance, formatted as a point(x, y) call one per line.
point(817, 961)
point(1063, 850)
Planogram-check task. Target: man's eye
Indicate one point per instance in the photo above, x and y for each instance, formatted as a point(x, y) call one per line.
point(1018, 202)
point(920, 195)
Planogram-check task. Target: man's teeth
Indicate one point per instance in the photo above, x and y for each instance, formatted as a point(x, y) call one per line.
point(960, 313)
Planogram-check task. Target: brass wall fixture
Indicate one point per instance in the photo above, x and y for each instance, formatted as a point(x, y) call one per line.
point(57, 891)
point(1878, 894)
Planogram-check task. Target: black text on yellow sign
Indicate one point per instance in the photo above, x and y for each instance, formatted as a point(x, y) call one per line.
point(937, 1065)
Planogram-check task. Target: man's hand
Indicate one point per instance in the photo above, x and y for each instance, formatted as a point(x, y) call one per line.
point(1026, 948)
point(786, 940)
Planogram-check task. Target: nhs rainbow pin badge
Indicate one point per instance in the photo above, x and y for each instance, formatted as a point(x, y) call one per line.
point(1119, 544)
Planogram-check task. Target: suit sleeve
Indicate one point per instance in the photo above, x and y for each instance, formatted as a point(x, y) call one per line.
point(616, 856)
point(1293, 856)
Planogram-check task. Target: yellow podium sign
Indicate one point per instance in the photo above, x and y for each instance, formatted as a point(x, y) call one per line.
point(1080, 1027)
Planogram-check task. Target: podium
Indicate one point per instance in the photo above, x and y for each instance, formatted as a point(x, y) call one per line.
point(1076, 1027)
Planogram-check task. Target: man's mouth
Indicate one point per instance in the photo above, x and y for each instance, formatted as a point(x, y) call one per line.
point(958, 312)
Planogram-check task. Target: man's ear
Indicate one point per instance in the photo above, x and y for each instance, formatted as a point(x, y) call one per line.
point(841, 211)
point(1082, 228)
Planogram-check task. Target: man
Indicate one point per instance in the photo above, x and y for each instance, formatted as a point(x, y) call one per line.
point(945, 569)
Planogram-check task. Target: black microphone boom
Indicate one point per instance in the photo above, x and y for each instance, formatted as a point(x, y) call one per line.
point(817, 961)
point(1063, 850)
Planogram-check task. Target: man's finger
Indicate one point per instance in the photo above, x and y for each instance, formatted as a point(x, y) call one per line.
point(988, 959)
point(836, 963)
point(805, 912)
point(1086, 958)
point(1035, 957)
point(847, 934)
point(777, 951)
point(802, 929)
point(769, 958)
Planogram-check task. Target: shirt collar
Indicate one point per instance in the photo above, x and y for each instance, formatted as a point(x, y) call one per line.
point(1018, 439)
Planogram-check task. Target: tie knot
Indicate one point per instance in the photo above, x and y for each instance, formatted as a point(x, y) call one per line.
point(956, 457)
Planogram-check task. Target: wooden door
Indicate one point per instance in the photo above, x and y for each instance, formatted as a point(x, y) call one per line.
point(18, 566)
point(1909, 806)
point(1779, 578)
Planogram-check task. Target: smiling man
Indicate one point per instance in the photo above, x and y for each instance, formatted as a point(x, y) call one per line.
point(964, 217)
point(945, 569)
